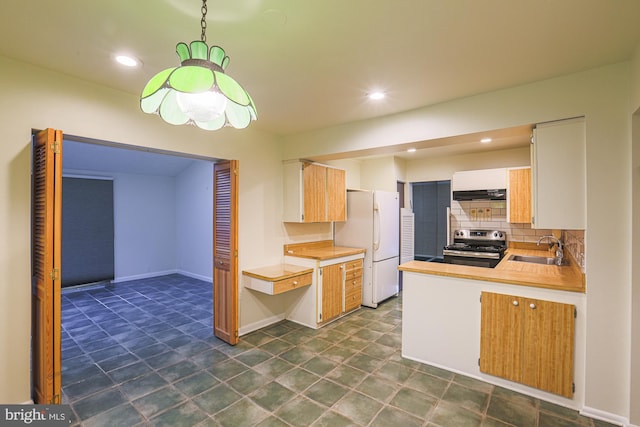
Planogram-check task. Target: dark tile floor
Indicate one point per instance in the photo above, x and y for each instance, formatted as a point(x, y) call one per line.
point(142, 353)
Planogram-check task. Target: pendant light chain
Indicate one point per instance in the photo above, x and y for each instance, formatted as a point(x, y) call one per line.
point(203, 21)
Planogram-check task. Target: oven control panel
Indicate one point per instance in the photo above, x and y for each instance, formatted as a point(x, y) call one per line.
point(479, 234)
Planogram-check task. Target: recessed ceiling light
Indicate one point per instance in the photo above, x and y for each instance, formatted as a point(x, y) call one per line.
point(376, 95)
point(411, 150)
point(486, 140)
point(127, 61)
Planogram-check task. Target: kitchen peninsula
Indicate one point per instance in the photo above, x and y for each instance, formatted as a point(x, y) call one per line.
point(519, 325)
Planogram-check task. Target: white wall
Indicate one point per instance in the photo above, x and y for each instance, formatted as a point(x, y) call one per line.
point(194, 221)
point(34, 98)
point(352, 171)
point(376, 173)
point(186, 235)
point(379, 174)
point(144, 223)
point(635, 301)
point(602, 95)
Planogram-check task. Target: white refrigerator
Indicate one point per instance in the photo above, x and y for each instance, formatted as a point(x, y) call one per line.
point(373, 223)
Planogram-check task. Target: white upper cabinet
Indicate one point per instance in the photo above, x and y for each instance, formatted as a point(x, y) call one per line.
point(558, 175)
point(485, 179)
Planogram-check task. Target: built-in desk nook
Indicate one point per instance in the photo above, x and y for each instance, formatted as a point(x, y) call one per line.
point(276, 279)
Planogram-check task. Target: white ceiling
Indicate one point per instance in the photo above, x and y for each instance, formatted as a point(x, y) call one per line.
point(309, 64)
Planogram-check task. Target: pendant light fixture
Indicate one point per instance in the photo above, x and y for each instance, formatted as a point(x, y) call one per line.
point(198, 92)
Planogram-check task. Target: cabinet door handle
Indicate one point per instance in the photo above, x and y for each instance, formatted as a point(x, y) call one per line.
point(295, 282)
point(516, 303)
point(532, 305)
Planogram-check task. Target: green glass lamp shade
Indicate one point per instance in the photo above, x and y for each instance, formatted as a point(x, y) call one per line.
point(198, 92)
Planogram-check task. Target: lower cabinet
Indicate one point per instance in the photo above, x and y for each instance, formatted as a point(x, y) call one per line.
point(529, 341)
point(341, 289)
point(331, 298)
point(336, 290)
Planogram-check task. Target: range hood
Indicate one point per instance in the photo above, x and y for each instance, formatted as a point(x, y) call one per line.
point(485, 184)
point(497, 194)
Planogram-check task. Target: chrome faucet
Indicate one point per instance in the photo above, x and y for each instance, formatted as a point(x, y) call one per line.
point(559, 251)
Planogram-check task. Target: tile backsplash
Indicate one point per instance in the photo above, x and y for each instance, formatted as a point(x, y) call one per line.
point(493, 215)
point(574, 243)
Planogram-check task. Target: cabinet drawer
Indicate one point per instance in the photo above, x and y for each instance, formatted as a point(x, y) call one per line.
point(353, 285)
point(353, 295)
point(353, 274)
point(352, 303)
point(291, 283)
point(353, 269)
point(352, 265)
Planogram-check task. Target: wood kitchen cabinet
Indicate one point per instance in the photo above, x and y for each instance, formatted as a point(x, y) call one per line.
point(336, 194)
point(519, 196)
point(336, 287)
point(331, 297)
point(558, 175)
point(314, 193)
point(352, 285)
point(529, 341)
point(341, 286)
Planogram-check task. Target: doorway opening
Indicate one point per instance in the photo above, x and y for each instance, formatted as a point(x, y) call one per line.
point(431, 203)
point(110, 334)
point(158, 302)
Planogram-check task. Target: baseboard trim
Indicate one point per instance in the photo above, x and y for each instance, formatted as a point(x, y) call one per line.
point(260, 324)
point(605, 416)
point(195, 276)
point(143, 276)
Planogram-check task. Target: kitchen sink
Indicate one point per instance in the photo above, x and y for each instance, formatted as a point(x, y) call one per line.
point(536, 259)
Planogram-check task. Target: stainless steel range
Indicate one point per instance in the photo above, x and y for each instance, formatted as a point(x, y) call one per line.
point(480, 248)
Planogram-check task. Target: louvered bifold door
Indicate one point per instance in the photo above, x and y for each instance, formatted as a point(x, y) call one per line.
point(225, 252)
point(46, 252)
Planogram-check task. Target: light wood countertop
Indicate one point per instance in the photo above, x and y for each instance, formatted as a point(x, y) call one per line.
point(321, 250)
point(564, 278)
point(274, 273)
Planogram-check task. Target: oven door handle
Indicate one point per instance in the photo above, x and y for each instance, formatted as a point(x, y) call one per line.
point(469, 254)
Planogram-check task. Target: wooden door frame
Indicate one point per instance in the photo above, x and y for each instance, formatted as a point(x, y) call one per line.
point(37, 360)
